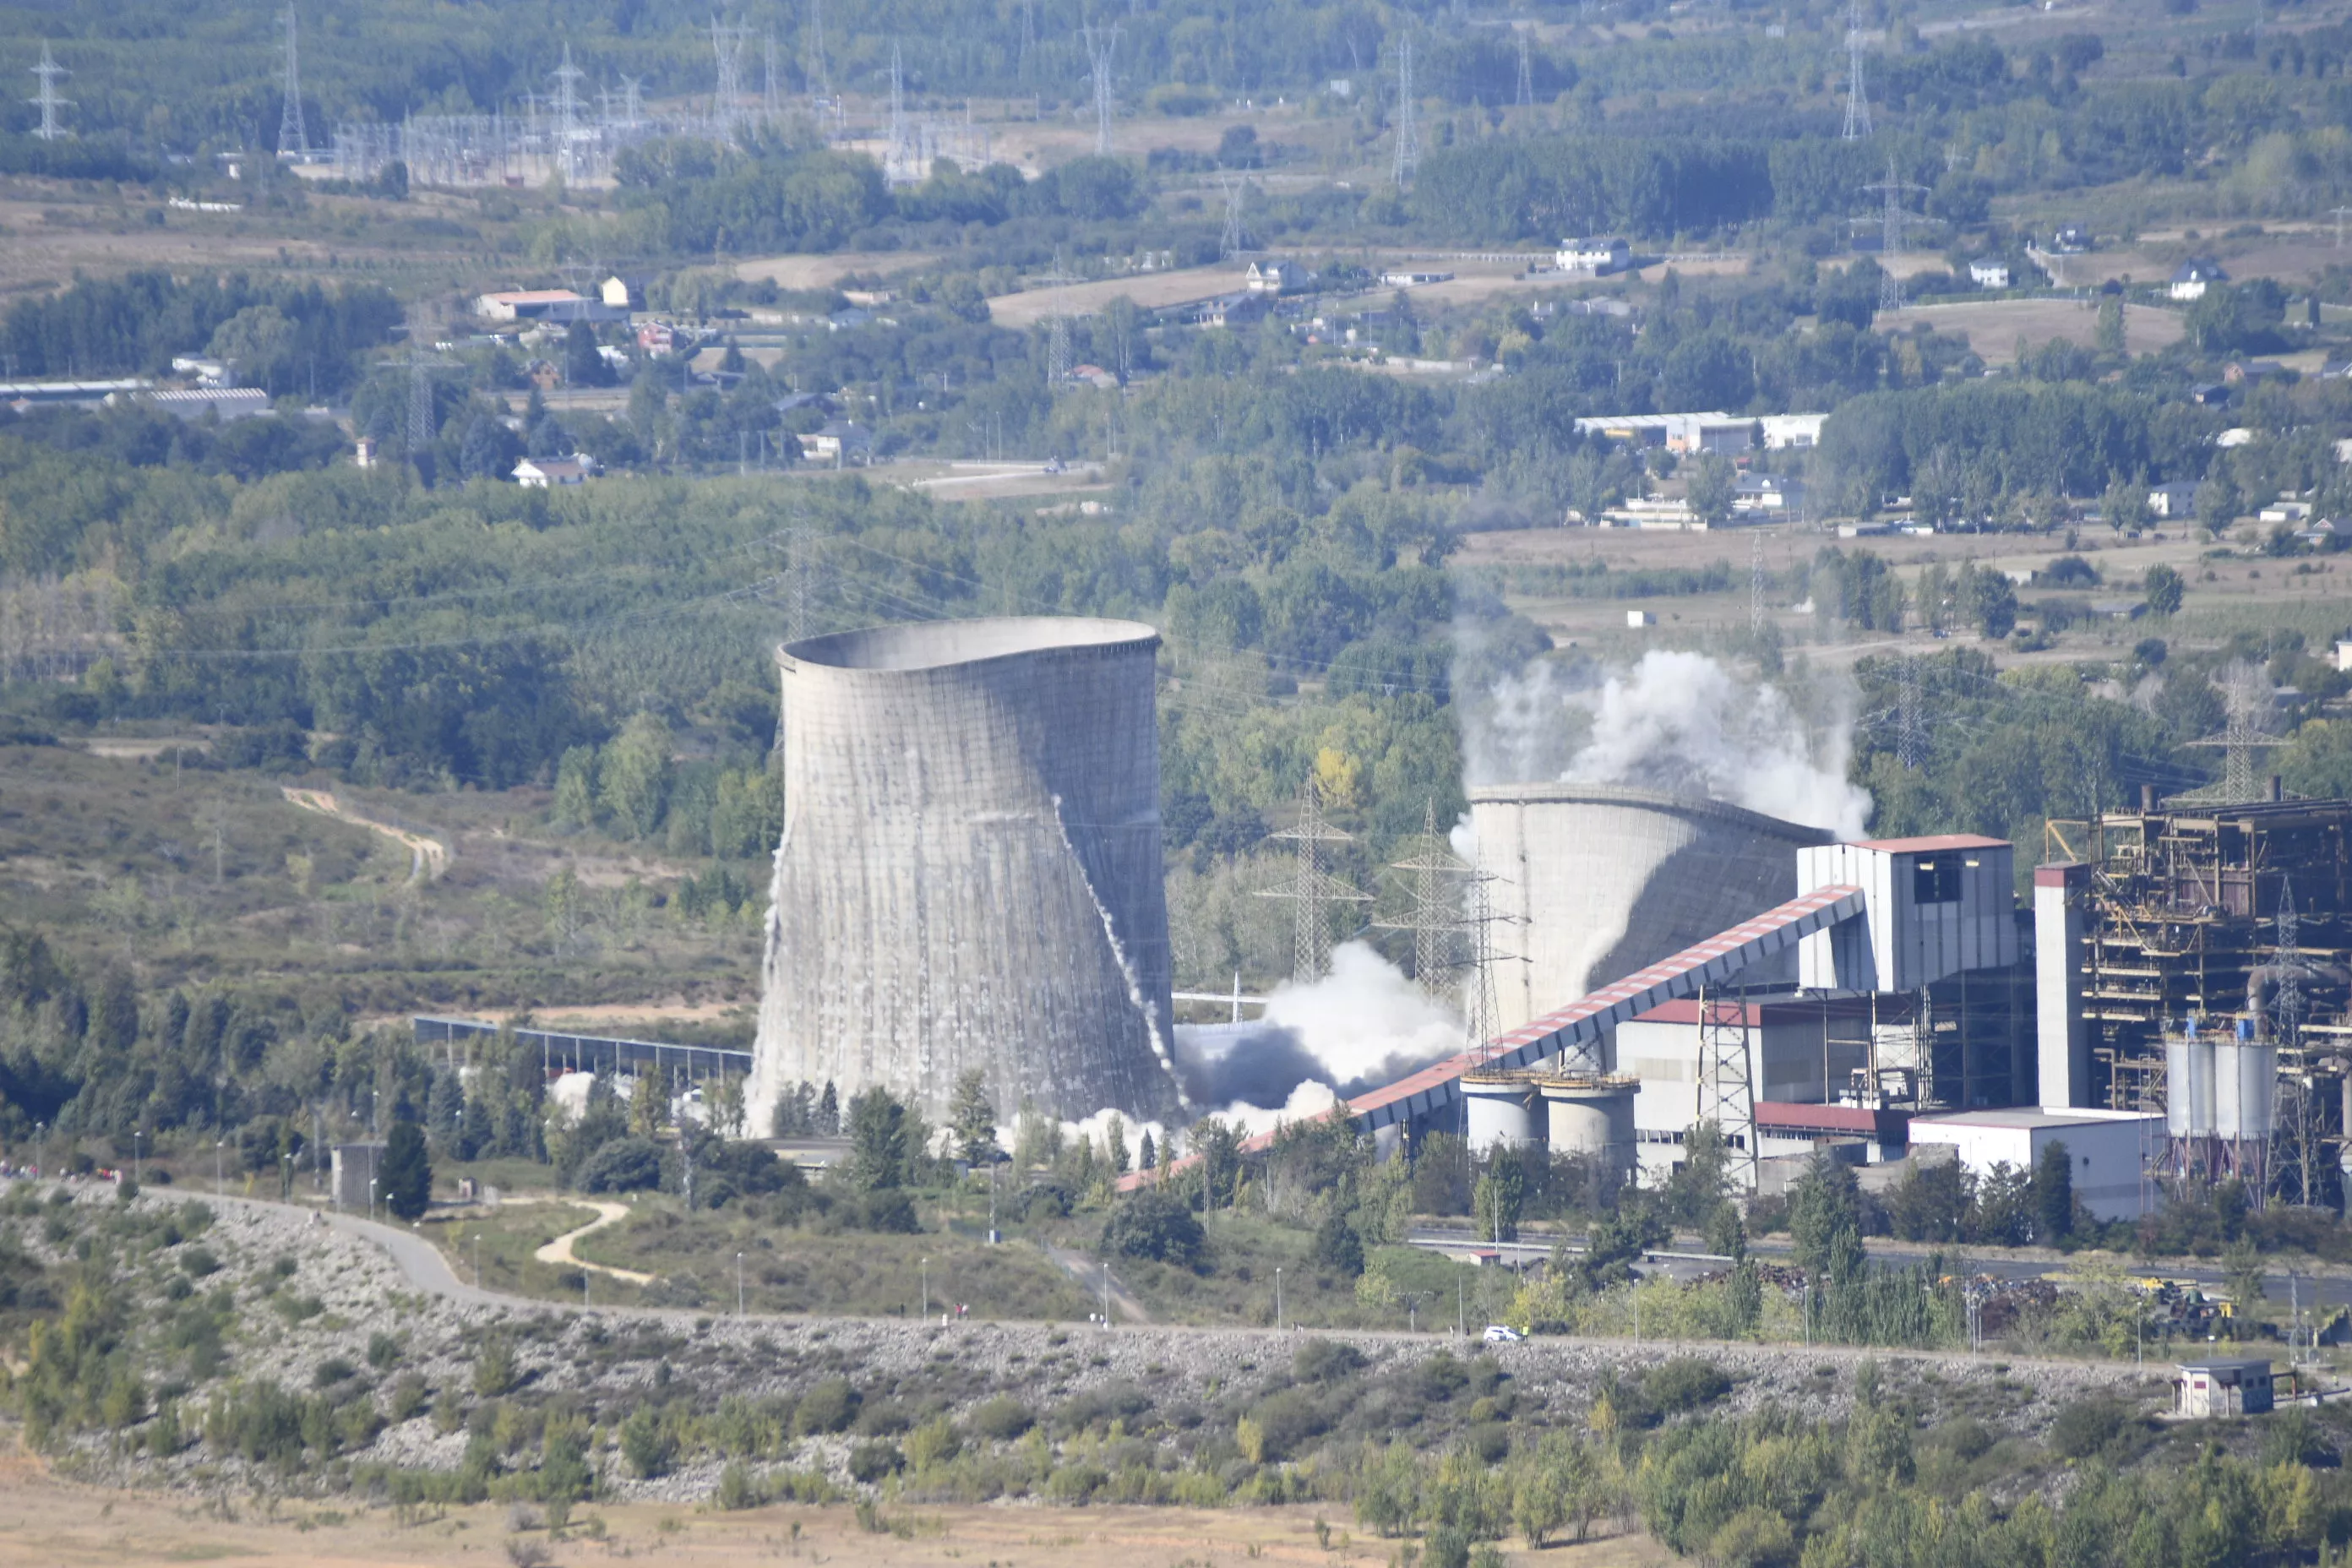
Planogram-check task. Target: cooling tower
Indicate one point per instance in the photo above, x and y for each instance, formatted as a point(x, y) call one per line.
point(1597, 880)
point(970, 874)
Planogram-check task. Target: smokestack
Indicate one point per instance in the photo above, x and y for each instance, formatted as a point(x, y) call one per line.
point(2147, 798)
point(2278, 789)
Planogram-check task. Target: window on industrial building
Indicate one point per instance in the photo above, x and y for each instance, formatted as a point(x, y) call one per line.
point(1936, 881)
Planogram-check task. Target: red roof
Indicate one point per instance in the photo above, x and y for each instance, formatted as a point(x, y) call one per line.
point(1932, 842)
point(1784, 1116)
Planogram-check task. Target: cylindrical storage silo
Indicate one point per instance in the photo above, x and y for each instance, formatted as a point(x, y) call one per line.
point(2178, 1122)
point(1593, 1119)
point(1593, 881)
point(2258, 1089)
point(1502, 1111)
point(970, 875)
point(2203, 1111)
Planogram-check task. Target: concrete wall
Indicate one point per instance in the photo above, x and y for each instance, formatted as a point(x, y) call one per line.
point(1598, 881)
point(970, 874)
point(1905, 944)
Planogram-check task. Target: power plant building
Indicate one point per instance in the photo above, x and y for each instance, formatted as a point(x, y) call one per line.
point(970, 875)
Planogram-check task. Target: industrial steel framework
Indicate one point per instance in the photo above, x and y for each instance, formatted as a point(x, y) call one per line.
point(1726, 1079)
point(1312, 890)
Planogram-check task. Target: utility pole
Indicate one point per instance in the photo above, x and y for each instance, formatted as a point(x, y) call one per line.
point(1756, 583)
point(1312, 890)
point(1433, 911)
point(727, 102)
point(1408, 130)
point(567, 78)
point(771, 89)
point(2340, 213)
point(895, 156)
point(1909, 731)
point(48, 100)
point(1857, 107)
point(292, 136)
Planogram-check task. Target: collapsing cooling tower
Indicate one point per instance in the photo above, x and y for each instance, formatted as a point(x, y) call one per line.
point(970, 875)
point(1594, 881)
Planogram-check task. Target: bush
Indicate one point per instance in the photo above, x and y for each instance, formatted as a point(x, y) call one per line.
point(1001, 1418)
point(1327, 1360)
point(647, 1442)
point(736, 1489)
point(828, 1407)
point(870, 1462)
point(494, 1368)
point(2086, 1427)
point(1339, 1248)
point(621, 1165)
point(1684, 1383)
point(199, 1261)
point(887, 1210)
point(1155, 1225)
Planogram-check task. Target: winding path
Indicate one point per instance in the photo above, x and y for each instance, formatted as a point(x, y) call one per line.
point(559, 1251)
point(427, 856)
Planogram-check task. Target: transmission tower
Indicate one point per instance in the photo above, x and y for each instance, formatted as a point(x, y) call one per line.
point(1756, 583)
point(567, 78)
point(1909, 734)
point(1099, 49)
point(1028, 37)
point(1434, 905)
point(1857, 107)
point(895, 161)
point(1726, 1080)
point(48, 70)
point(1892, 219)
point(1058, 359)
point(727, 103)
point(1527, 97)
point(1235, 239)
point(1408, 130)
point(2246, 699)
point(1312, 890)
point(631, 99)
point(1481, 1012)
point(819, 81)
point(2339, 213)
point(422, 427)
point(292, 136)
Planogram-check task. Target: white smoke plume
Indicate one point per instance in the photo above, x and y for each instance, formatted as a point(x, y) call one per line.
point(1684, 723)
point(1363, 1024)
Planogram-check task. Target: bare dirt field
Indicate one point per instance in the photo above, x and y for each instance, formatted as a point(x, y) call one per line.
point(824, 271)
point(1152, 290)
point(57, 1524)
point(1993, 326)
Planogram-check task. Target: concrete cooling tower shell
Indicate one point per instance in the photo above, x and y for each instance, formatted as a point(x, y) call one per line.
point(1598, 881)
point(969, 873)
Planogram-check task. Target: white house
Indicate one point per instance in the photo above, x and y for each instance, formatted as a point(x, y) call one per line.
point(2105, 1149)
point(1593, 256)
point(523, 304)
point(1273, 277)
point(546, 473)
point(1989, 274)
point(2191, 278)
point(2176, 500)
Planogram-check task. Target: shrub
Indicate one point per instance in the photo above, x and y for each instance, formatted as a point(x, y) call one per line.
point(1327, 1360)
point(494, 1368)
point(647, 1442)
point(870, 1462)
point(331, 1370)
point(382, 1351)
point(199, 1261)
point(1001, 1418)
point(621, 1165)
point(736, 1489)
point(828, 1407)
point(1339, 1248)
point(887, 1210)
point(2086, 1427)
point(1684, 1383)
point(1156, 1226)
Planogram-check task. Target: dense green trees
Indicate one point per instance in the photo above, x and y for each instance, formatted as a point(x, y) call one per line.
point(284, 337)
point(405, 1176)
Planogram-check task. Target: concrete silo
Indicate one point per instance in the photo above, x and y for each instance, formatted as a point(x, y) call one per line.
point(969, 873)
point(1597, 880)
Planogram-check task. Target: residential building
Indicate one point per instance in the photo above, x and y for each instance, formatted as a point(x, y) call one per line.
point(2174, 500)
point(2192, 278)
point(1595, 256)
point(1989, 274)
point(2070, 239)
point(554, 473)
point(623, 293)
point(523, 304)
point(1274, 277)
point(1413, 280)
point(840, 442)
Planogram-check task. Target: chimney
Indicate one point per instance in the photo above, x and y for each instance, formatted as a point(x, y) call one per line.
point(2277, 789)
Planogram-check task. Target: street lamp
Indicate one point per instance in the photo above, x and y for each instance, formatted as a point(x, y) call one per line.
point(926, 1287)
point(1277, 1297)
point(136, 1169)
point(478, 1260)
point(219, 1145)
point(370, 1200)
point(739, 1284)
point(285, 1176)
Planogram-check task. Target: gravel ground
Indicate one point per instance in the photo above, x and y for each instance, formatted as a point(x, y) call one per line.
point(610, 1358)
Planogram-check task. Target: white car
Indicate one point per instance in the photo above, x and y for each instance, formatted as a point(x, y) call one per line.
point(1502, 1334)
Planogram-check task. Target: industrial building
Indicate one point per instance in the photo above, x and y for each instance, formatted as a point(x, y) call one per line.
point(970, 875)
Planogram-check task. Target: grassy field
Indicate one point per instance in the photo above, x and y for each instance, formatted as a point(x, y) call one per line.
point(1993, 327)
point(848, 1273)
point(509, 1234)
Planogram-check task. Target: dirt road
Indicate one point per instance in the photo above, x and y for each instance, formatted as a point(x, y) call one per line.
point(427, 857)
